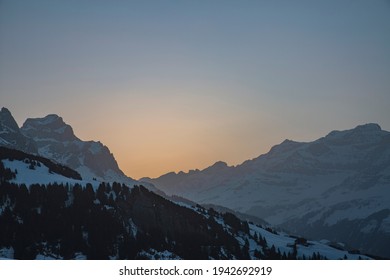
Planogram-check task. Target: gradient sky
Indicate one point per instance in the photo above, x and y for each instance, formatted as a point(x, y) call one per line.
point(178, 85)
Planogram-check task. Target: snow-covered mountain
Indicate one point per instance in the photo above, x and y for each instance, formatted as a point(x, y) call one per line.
point(52, 138)
point(55, 140)
point(63, 220)
point(336, 188)
point(11, 136)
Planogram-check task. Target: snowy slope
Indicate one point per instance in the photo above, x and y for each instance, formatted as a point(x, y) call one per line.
point(338, 182)
point(295, 174)
point(158, 228)
point(39, 175)
point(283, 242)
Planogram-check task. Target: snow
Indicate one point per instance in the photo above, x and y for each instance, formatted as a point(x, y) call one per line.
point(112, 176)
point(285, 243)
point(3, 142)
point(385, 226)
point(109, 176)
point(39, 175)
point(40, 139)
point(153, 254)
point(95, 148)
point(45, 257)
point(47, 120)
point(133, 228)
point(6, 253)
point(6, 129)
point(343, 176)
point(86, 173)
point(5, 204)
point(184, 204)
point(72, 151)
point(253, 245)
point(46, 151)
point(60, 130)
point(355, 210)
point(80, 256)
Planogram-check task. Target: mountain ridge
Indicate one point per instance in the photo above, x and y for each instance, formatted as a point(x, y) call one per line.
point(79, 221)
point(343, 176)
point(54, 139)
point(335, 188)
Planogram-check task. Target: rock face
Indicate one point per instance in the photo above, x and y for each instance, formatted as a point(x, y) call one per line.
point(336, 188)
point(11, 136)
point(52, 138)
point(56, 140)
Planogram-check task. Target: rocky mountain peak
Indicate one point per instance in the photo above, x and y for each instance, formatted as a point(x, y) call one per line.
point(7, 121)
point(11, 136)
point(50, 127)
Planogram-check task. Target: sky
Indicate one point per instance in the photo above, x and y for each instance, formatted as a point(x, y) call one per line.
point(179, 85)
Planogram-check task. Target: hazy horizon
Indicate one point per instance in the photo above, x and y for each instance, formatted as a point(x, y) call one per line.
point(179, 85)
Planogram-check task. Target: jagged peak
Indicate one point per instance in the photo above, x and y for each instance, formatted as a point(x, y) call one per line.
point(45, 121)
point(5, 111)
point(51, 118)
point(6, 119)
point(51, 126)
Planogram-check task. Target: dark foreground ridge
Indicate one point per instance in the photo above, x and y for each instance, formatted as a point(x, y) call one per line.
point(59, 221)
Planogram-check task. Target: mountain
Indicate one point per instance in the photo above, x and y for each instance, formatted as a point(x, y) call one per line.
point(50, 210)
point(52, 138)
point(11, 136)
point(335, 188)
point(72, 220)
